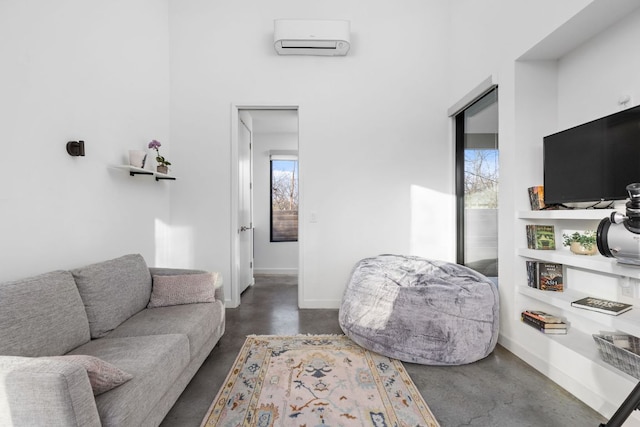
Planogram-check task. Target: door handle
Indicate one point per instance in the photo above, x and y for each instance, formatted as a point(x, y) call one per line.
point(243, 228)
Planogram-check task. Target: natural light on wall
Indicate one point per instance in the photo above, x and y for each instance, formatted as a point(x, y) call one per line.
point(183, 243)
point(162, 238)
point(174, 245)
point(432, 224)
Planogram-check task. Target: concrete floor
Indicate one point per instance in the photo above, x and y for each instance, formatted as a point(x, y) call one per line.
point(498, 391)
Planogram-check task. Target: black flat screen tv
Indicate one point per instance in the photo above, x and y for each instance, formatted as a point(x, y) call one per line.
point(594, 161)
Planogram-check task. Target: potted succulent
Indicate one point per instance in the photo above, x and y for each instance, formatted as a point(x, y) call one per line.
point(163, 164)
point(581, 242)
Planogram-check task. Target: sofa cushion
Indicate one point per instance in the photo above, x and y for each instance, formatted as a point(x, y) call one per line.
point(182, 289)
point(41, 316)
point(155, 363)
point(163, 271)
point(196, 321)
point(113, 291)
point(37, 391)
point(103, 376)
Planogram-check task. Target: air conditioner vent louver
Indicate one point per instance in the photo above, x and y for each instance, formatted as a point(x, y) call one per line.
point(304, 44)
point(308, 37)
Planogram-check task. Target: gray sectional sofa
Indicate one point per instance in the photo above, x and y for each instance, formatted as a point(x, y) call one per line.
point(101, 311)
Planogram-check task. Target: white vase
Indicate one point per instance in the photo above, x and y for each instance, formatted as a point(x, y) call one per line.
point(137, 158)
point(578, 249)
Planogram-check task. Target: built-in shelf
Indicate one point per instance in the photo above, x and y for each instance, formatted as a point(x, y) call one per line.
point(583, 344)
point(629, 322)
point(133, 171)
point(582, 323)
point(542, 99)
point(596, 263)
point(576, 214)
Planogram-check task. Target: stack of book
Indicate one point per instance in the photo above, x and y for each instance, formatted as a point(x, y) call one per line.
point(547, 276)
point(544, 322)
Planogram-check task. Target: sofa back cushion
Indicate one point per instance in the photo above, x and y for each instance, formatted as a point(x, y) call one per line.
point(113, 291)
point(42, 316)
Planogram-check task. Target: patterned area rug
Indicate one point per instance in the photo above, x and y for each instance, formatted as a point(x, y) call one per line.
point(316, 380)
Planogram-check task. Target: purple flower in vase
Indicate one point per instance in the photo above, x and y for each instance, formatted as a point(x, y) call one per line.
point(155, 145)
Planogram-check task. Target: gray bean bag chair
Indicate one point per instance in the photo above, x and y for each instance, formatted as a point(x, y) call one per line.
point(421, 311)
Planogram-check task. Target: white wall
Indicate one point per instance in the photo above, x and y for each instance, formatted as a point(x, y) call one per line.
point(96, 71)
point(592, 77)
point(376, 117)
point(488, 35)
point(269, 257)
point(375, 157)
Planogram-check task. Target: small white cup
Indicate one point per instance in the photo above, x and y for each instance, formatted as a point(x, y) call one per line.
point(137, 158)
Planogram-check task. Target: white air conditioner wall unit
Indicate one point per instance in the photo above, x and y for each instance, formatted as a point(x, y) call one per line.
point(311, 37)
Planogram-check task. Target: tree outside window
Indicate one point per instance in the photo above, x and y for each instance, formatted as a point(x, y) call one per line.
point(284, 200)
point(481, 178)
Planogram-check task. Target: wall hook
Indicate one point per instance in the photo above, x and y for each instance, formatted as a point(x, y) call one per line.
point(75, 148)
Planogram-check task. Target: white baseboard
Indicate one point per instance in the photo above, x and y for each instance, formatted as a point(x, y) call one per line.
point(322, 304)
point(287, 271)
point(596, 399)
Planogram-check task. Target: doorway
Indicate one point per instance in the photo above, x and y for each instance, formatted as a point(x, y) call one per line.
point(274, 141)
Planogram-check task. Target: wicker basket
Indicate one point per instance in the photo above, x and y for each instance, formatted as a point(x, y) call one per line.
point(621, 358)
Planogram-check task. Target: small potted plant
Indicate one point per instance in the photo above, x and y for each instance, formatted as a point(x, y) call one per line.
point(581, 242)
point(163, 164)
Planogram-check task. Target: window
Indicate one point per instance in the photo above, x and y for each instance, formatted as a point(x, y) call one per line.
point(284, 199)
point(477, 185)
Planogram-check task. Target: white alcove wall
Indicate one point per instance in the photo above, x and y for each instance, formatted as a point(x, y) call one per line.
point(269, 257)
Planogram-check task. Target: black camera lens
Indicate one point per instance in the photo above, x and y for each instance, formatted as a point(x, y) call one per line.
point(633, 207)
point(601, 238)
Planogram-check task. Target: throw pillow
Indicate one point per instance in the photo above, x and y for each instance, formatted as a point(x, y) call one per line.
point(182, 289)
point(103, 376)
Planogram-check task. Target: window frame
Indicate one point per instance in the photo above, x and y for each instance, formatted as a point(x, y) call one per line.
point(460, 147)
point(273, 158)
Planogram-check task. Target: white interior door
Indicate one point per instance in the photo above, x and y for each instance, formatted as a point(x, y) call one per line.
point(245, 206)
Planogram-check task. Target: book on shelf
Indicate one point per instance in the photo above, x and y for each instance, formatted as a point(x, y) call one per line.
point(532, 280)
point(550, 277)
point(541, 237)
point(545, 330)
point(547, 276)
point(541, 323)
point(600, 305)
point(536, 197)
point(541, 315)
